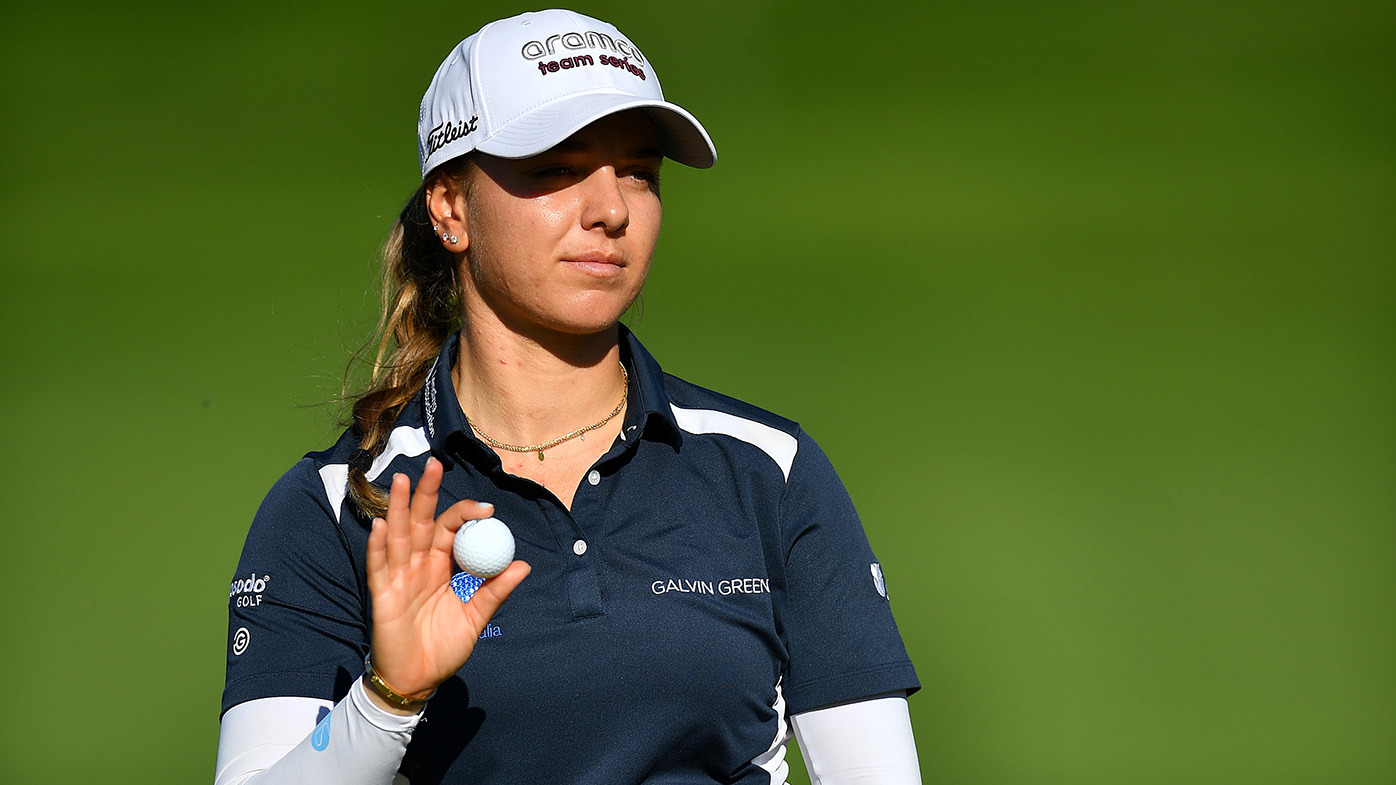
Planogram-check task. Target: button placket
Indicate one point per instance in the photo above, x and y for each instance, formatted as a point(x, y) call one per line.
point(583, 582)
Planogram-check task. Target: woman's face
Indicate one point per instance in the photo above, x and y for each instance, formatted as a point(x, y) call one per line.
point(563, 240)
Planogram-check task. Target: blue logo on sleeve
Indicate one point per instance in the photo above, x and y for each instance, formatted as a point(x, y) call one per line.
point(464, 585)
point(320, 739)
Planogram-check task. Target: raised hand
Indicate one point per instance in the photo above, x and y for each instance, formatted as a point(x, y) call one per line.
point(422, 633)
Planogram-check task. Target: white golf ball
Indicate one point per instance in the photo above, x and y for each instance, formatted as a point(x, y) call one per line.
point(484, 548)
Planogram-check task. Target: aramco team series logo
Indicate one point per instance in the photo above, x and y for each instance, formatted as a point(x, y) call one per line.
point(591, 39)
point(574, 42)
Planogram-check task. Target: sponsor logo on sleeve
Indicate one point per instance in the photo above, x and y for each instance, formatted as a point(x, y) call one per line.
point(879, 582)
point(240, 640)
point(247, 592)
point(320, 739)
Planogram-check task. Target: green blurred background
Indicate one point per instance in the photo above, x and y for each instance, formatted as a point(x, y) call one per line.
point(1093, 305)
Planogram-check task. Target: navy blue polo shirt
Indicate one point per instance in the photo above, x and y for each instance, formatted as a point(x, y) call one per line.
point(711, 579)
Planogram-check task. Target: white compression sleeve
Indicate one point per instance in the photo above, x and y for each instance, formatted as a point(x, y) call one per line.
point(276, 741)
point(264, 742)
point(862, 743)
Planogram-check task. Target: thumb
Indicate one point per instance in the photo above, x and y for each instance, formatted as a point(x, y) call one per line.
point(493, 592)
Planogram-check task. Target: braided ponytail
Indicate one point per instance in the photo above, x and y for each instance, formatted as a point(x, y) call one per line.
point(419, 310)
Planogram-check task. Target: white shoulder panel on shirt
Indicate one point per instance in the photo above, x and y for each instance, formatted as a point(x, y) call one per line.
point(779, 445)
point(402, 441)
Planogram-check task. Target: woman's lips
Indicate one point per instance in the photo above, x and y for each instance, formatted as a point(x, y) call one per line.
point(597, 263)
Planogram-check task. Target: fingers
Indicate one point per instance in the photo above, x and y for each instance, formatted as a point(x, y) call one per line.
point(399, 542)
point(454, 517)
point(423, 507)
point(410, 527)
point(493, 592)
point(377, 558)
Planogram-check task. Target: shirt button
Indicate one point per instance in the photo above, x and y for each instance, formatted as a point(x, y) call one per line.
point(593, 477)
point(579, 547)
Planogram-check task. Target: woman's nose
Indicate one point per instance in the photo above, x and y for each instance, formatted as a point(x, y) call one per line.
point(605, 205)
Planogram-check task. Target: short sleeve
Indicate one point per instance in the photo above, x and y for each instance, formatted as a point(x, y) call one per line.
point(843, 643)
point(297, 606)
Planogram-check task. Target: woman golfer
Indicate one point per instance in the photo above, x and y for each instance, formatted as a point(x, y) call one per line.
point(699, 587)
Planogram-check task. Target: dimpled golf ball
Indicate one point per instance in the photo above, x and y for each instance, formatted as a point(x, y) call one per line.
point(484, 548)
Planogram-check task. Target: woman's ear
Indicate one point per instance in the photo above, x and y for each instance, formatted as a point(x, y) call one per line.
point(446, 205)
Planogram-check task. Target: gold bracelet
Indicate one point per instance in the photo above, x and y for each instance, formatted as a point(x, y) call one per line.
point(386, 692)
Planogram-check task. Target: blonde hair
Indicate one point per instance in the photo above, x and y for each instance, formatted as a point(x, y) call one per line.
point(419, 309)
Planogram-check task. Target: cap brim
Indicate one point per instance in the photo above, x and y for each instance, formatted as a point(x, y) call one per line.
point(684, 139)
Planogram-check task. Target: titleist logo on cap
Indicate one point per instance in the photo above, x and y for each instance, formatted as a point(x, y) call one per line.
point(591, 39)
point(445, 133)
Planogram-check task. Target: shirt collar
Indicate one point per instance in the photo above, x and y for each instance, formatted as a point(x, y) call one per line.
point(649, 414)
point(441, 411)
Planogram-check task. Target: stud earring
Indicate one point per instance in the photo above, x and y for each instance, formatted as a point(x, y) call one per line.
point(453, 239)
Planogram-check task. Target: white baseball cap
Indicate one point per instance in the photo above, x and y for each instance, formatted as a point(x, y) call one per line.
point(521, 85)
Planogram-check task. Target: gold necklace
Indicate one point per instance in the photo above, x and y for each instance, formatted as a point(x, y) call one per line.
point(551, 443)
